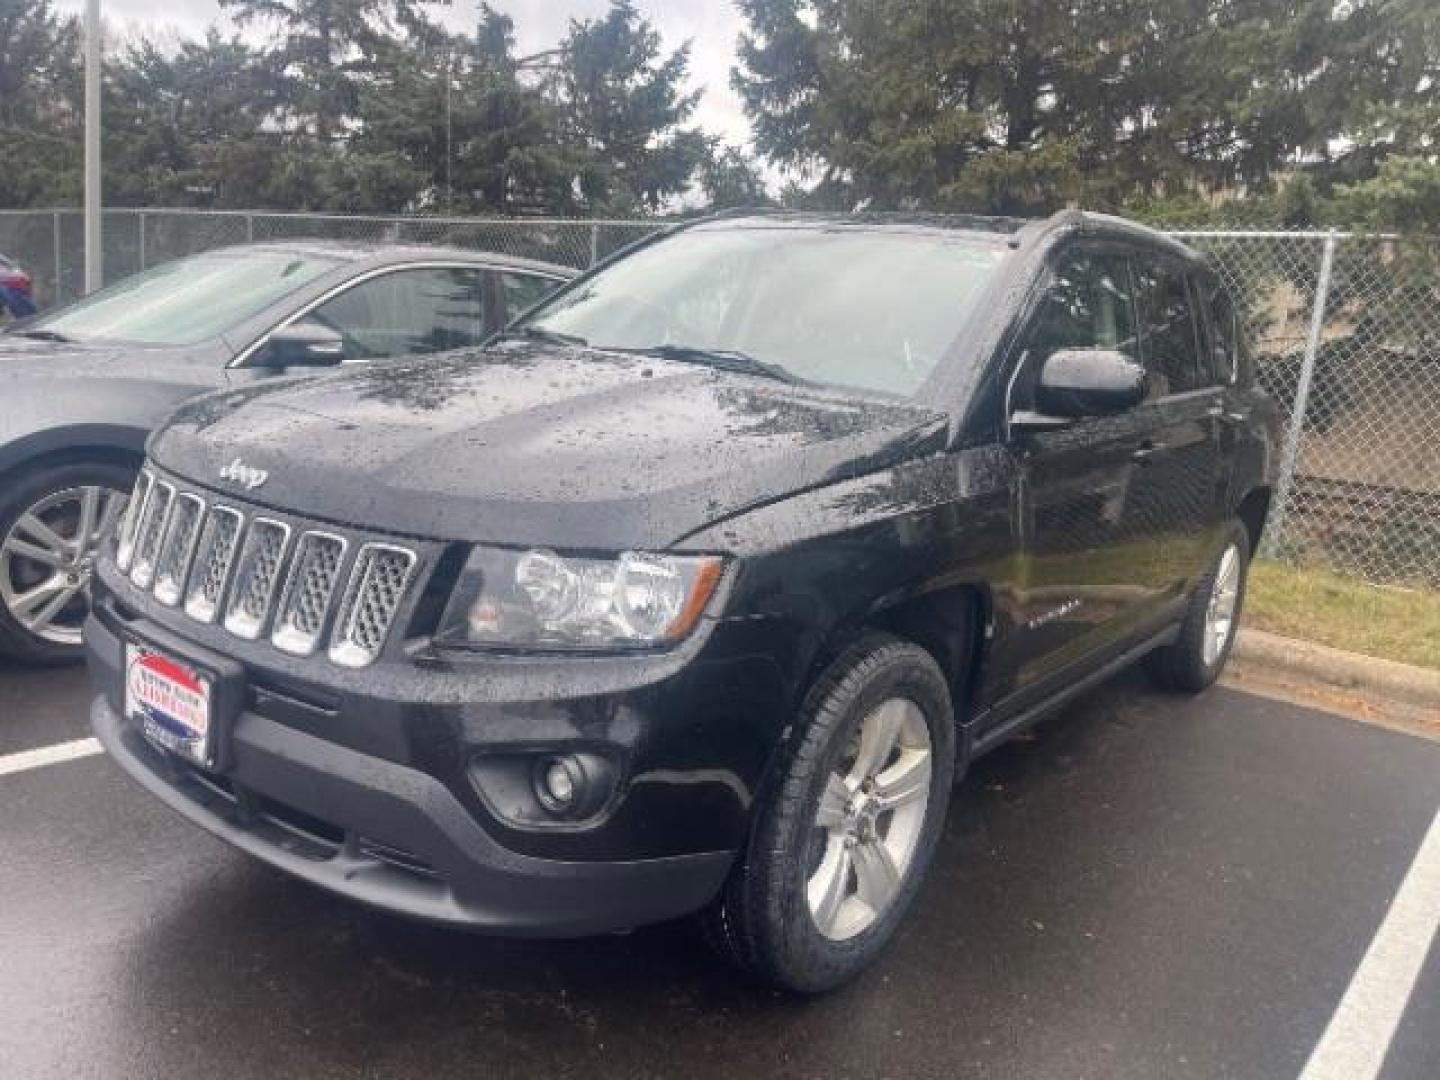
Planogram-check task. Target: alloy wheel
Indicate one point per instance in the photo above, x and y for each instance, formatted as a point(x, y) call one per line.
point(1220, 612)
point(48, 556)
point(869, 821)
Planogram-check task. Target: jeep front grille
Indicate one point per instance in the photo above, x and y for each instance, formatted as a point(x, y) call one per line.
point(130, 524)
point(258, 574)
point(178, 548)
point(211, 570)
point(152, 531)
point(308, 593)
point(382, 574)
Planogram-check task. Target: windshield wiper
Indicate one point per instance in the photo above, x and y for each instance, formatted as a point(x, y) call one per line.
point(539, 333)
point(43, 335)
point(722, 359)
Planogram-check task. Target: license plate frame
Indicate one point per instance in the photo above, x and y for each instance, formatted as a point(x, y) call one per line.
point(173, 702)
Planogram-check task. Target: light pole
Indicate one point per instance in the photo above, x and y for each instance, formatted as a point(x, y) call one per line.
point(449, 133)
point(94, 253)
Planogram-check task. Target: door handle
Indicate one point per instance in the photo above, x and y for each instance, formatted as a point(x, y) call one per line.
point(1220, 412)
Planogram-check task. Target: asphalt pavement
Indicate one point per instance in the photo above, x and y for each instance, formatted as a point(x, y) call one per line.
point(1147, 886)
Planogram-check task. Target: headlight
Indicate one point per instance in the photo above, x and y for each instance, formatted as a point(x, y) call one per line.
point(538, 599)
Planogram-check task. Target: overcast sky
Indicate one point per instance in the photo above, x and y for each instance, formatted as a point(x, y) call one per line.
point(713, 25)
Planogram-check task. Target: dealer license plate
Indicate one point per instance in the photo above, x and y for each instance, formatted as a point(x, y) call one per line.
point(171, 702)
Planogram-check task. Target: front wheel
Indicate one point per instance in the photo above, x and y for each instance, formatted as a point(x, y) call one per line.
point(51, 522)
point(845, 832)
point(1207, 634)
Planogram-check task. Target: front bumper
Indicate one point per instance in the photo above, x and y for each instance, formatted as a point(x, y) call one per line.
point(396, 839)
point(387, 834)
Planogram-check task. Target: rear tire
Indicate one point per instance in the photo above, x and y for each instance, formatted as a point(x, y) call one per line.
point(845, 830)
point(44, 566)
point(1207, 634)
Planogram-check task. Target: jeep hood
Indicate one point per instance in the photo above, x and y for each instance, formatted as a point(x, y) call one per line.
point(523, 445)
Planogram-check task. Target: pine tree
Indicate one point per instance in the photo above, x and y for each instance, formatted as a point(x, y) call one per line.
point(624, 110)
point(1023, 105)
point(39, 120)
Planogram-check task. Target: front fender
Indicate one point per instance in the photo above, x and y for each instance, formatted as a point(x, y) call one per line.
point(94, 405)
point(36, 445)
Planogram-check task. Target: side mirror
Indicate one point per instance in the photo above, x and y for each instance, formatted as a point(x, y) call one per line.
point(302, 345)
point(1076, 383)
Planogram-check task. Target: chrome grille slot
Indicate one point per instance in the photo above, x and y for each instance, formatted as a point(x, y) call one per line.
point(372, 599)
point(152, 530)
point(130, 524)
point(305, 603)
point(257, 573)
point(173, 566)
point(215, 556)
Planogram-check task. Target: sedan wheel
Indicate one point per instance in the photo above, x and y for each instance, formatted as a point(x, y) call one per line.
point(47, 558)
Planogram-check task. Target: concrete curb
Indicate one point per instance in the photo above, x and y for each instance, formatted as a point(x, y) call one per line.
point(1337, 668)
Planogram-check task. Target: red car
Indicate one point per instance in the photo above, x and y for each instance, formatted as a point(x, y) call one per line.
point(12, 277)
point(16, 290)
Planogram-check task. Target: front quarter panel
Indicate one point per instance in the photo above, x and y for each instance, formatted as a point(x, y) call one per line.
point(817, 568)
point(47, 414)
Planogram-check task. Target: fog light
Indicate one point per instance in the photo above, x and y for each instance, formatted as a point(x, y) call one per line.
point(559, 784)
point(545, 789)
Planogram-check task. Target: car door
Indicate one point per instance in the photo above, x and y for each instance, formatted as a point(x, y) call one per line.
point(407, 312)
point(1181, 502)
point(1237, 408)
point(1081, 523)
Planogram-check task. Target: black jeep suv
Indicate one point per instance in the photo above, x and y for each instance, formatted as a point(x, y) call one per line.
point(697, 590)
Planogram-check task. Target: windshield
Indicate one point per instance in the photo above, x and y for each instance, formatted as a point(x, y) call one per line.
point(865, 309)
point(186, 301)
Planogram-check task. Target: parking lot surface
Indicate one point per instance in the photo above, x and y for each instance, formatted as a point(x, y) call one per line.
point(1145, 887)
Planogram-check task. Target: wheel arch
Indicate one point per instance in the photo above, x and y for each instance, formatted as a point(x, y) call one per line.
point(110, 444)
point(948, 623)
point(1252, 511)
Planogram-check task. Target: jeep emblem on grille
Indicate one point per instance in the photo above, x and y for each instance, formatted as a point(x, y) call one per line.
point(247, 477)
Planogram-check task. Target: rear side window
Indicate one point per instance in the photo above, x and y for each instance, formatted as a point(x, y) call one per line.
point(1224, 326)
point(1169, 347)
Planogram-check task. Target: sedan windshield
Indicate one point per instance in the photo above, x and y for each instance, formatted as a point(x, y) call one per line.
point(851, 307)
point(186, 301)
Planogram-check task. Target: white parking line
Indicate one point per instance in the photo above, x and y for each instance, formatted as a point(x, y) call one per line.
point(48, 755)
point(1359, 1035)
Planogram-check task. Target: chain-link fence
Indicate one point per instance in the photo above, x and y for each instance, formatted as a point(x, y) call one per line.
point(1347, 335)
point(1346, 327)
point(50, 243)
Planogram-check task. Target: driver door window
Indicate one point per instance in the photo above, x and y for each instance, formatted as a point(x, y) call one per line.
point(407, 313)
point(1089, 305)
